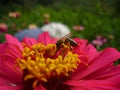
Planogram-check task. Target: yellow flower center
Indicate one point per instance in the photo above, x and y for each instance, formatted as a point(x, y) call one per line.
point(42, 62)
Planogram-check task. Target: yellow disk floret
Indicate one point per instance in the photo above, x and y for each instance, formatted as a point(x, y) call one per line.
point(41, 67)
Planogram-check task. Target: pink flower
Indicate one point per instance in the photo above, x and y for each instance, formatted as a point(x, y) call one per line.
point(99, 41)
point(14, 14)
point(3, 28)
point(40, 65)
point(78, 28)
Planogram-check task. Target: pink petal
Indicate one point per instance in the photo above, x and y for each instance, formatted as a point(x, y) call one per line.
point(29, 41)
point(91, 51)
point(2, 48)
point(82, 55)
point(79, 50)
point(45, 38)
point(13, 41)
point(82, 43)
point(13, 51)
point(8, 72)
point(11, 48)
point(107, 74)
point(88, 54)
point(93, 85)
point(7, 87)
point(105, 58)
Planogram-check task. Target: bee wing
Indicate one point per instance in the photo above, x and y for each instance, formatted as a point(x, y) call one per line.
point(66, 36)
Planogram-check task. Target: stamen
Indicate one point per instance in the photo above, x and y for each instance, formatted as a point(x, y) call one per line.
point(41, 67)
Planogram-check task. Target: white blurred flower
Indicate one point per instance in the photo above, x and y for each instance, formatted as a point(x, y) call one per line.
point(57, 30)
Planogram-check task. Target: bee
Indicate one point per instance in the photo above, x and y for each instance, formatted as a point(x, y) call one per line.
point(66, 40)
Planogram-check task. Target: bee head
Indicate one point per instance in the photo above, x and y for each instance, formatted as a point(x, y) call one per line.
point(59, 43)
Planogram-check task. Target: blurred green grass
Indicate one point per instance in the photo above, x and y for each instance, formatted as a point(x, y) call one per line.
point(96, 21)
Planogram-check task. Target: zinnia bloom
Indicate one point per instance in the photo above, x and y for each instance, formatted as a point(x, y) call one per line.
point(41, 65)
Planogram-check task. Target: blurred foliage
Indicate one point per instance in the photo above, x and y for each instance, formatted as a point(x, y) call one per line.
point(99, 17)
point(92, 5)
